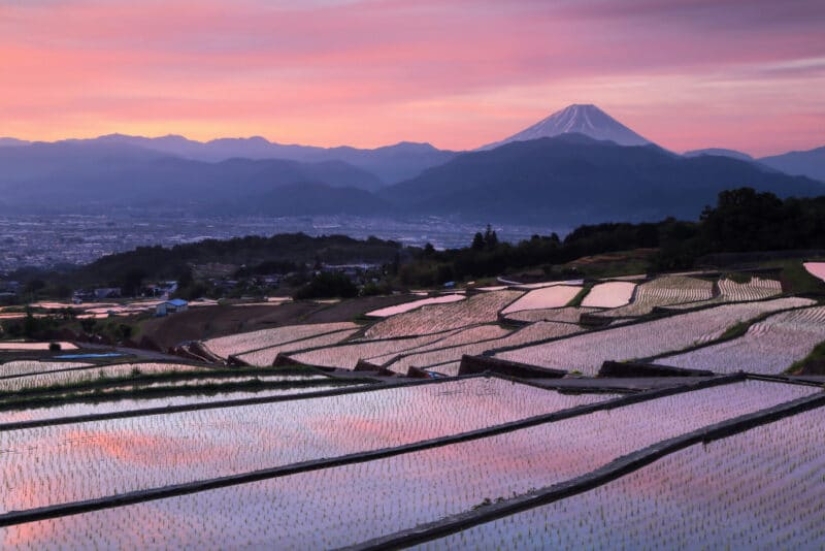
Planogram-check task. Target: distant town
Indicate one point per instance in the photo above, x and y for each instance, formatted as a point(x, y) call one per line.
point(46, 241)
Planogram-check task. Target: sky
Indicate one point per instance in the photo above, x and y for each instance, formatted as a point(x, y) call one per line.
point(686, 74)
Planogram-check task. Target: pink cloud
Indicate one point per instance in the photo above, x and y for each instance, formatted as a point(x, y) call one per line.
point(391, 70)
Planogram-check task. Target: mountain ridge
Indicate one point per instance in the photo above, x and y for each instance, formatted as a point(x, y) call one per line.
point(586, 119)
point(572, 178)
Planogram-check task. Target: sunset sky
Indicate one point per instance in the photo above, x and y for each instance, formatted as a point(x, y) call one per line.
point(686, 74)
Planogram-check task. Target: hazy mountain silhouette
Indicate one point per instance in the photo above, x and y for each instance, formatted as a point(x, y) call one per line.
point(802, 163)
point(82, 176)
point(390, 163)
point(719, 152)
point(574, 179)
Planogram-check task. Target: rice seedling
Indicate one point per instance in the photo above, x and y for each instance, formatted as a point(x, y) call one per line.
point(346, 356)
point(266, 356)
point(761, 489)
point(731, 291)
point(570, 314)
point(664, 291)
point(98, 403)
point(62, 463)
point(409, 489)
point(482, 308)
point(87, 373)
point(33, 367)
point(588, 351)
point(540, 331)
point(769, 346)
point(255, 340)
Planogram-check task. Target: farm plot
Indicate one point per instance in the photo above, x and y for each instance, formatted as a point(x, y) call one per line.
point(266, 356)
point(664, 291)
point(46, 465)
point(9, 345)
point(611, 294)
point(555, 296)
point(256, 340)
point(98, 404)
point(769, 347)
point(405, 490)
point(408, 306)
point(816, 269)
point(346, 356)
point(482, 308)
point(87, 374)
point(540, 331)
point(570, 314)
point(587, 352)
point(473, 335)
point(33, 367)
point(761, 489)
point(755, 289)
point(731, 291)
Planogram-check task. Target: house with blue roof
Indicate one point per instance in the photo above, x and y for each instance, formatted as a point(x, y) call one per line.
point(171, 306)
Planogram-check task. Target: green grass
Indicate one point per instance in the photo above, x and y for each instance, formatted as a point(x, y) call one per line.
point(579, 298)
point(796, 279)
point(812, 364)
point(739, 277)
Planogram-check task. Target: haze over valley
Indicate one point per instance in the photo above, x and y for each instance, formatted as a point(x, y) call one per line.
point(577, 166)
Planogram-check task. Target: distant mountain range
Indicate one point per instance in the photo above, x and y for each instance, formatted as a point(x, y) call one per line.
point(577, 166)
point(391, 164)
point(572, 179)
point(801, 163)
point(719, 152)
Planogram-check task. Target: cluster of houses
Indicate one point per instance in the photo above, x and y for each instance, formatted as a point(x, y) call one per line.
point(161, 290)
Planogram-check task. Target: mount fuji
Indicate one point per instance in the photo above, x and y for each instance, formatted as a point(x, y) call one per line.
point(580, 119)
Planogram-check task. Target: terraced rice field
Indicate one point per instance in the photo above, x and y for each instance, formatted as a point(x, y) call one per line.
point(32, 367)
point(98, 404)
point(731, 291)
point(611, 294)
point(152, 451)
point(347, 356)
point(277, 468)
point(587, 352)
point(408, 306)
point(404, 490)
point(571, 314)
point(555, 296)
point(86, 374)
point(664, 291)
point(540, 331)
point(465, 337)
point(481, 308)
point(256, 340)
point(266, 356)
point(769, 347)
point(760, 489)
point(8, 345)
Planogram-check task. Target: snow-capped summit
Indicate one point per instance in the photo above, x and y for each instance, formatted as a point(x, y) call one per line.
point(583, 119)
